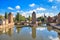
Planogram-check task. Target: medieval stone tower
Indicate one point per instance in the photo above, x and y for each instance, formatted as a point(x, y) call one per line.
point(10, 18)
point(33, 18)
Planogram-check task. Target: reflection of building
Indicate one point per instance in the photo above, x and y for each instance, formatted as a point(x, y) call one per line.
point(33, 32)
point(58, 31)
point(33, 18)
point(10, 32)
point(10, 18)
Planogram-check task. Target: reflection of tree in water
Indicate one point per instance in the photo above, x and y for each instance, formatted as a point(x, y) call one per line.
point(49, 28)
point(34, 32)
point(18, 28)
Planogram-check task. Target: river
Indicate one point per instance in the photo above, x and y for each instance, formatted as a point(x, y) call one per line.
point(30, 33)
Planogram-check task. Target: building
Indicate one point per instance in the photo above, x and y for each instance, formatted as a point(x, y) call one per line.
point(58, 19)
point(6, 21)
point(2, 22)
point(10, 18)
point(33, 18)
point(49, 19)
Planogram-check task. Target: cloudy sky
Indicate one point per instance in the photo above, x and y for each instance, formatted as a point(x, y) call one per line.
point(26, 7)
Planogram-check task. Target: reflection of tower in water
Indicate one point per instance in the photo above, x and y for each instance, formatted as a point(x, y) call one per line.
point(33, 32)
point(10, 30)
point(49, 28)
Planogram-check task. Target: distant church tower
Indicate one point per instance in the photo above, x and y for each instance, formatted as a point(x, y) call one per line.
point(33, 18)
point(10, 18)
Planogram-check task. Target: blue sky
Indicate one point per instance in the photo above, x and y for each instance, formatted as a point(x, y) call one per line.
point(26, 7)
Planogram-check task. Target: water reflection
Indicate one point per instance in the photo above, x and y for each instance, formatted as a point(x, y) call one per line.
point(10, 32)
point(18, 28)
point(30, 33)
point(34, 32)
point(49, 28)
point(56, 30)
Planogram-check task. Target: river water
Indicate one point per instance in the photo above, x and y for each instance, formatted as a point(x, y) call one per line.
point(30, 33)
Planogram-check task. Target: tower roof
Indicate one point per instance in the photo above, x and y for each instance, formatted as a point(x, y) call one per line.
point(59, 13)
point(10, 13)
point(33, 12)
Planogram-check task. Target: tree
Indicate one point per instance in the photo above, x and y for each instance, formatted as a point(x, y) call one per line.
point(6, 15)
point(22, 18)
point(42, 19)
point(17, 17)
point(39, 18)
point(1, 17)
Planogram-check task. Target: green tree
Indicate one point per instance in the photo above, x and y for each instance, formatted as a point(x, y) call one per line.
point(39, 18)
point(6, 15)
point(42, 19)
point(29, 18)
point(22, 18)
point(1, 17)
point(17, 17)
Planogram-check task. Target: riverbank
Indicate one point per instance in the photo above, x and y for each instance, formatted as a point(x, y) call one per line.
point(54, 25)
point(3, 27)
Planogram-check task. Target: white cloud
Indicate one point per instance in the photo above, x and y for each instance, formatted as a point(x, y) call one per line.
point(27, 13)
point(10, 8)
point(17, 7)
point(49, 14)
point(58, 0)
point(42, 9)
point(32, 5)
point(54, 7)
point(50, 0)
point(41, 28)
point(24, 14)
point(50, 37)
point(42, 14)
point(14, 14)
point(39, 15)
point(2, 14)
point(54, 0)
